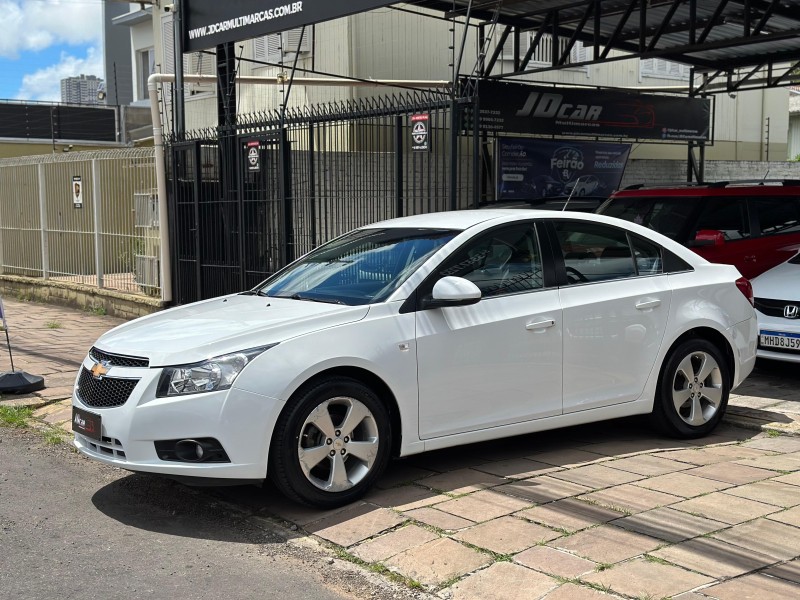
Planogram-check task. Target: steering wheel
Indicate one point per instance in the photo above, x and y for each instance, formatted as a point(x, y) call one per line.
point(575, 276)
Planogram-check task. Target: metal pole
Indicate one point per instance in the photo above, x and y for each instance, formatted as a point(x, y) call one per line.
point(179, 125)
point(10, 356)
point(98, 244)
point(454, 124)
point(43, 225)
point(398, 165)
point(312, 185)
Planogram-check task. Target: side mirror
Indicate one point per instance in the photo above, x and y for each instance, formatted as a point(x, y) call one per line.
point(707, 237)
point(453, 291)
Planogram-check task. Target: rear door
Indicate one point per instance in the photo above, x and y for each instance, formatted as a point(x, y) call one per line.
point(615, 300)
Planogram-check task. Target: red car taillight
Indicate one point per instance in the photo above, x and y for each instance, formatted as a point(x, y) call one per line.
point(744, 286)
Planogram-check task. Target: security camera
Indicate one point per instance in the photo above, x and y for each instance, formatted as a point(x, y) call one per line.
point(169, 7)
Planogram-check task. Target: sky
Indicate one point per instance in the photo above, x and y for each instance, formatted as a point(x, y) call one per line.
point(44, 41)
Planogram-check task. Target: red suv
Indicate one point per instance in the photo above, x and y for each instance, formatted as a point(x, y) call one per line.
point(751, 225)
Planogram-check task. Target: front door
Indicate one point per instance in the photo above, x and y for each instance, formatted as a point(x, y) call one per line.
point(497, 362)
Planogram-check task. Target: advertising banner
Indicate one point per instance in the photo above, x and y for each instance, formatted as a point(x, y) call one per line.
point(519, 108)
point(207, 23)
point(530, 169)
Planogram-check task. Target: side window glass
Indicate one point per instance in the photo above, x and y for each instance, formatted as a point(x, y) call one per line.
point(647, 256)
point(777, 215)
point(728, 215)
point(594, 252)
point(503, 261)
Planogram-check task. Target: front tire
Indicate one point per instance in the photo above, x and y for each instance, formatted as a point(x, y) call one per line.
point(693, 390)
point(331, 443)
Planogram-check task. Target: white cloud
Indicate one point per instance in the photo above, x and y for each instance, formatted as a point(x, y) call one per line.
point(45, 84)
point(31, 25)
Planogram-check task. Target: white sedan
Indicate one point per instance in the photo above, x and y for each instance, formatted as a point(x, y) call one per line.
point(416, 334)
point(777, 300)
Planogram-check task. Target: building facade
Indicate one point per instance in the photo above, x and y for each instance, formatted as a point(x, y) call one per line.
point(80, 90)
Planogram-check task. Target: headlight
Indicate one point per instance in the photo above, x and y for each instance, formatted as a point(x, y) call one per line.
point(208, 376)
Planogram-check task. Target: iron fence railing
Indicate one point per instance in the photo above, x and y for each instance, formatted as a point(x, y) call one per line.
point(316, 172)
point(82, 217)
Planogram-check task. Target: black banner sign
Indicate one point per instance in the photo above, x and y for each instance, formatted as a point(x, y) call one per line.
point(207, 23)
point(519, 108)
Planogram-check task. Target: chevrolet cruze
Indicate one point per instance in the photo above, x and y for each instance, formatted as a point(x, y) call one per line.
point(415, 334)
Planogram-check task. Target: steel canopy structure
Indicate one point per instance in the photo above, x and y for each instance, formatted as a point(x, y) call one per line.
point(733, 44)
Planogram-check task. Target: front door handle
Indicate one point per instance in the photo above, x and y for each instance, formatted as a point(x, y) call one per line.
point(540, 324)
point(648, 303)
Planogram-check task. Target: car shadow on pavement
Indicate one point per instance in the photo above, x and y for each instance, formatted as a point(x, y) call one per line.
point(771, 379)
point(160, 505)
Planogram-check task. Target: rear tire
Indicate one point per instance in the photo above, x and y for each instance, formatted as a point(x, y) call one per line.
point(331, 443)
point(693, 390)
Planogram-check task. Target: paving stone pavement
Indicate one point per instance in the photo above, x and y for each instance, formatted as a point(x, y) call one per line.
point(599, 511)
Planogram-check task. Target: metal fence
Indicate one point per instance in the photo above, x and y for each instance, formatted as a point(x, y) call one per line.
point(83, 217)
point(248, 199)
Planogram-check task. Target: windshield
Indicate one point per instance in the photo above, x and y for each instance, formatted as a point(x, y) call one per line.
point(667, 216)
point(361, 267)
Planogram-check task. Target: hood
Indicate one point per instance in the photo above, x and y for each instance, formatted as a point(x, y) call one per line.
point(779, 283)
point(221, 325)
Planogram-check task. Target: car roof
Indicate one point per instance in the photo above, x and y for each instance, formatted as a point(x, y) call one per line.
point(457, 219)
point(784, 187)
point(461, 220)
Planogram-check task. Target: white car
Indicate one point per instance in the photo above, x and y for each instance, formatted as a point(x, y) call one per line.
point(777, 300)
point(415, 334)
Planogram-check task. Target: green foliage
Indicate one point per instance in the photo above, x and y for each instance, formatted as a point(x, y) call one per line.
point(15, 416)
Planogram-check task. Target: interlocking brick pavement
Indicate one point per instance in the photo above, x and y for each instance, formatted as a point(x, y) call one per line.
point(588, 512)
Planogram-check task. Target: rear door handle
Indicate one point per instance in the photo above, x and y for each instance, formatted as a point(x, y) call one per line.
point(540, 324)
point(648, 303)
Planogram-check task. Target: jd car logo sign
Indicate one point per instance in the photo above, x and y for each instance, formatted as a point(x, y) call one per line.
point(253, 156)
point(420, 133)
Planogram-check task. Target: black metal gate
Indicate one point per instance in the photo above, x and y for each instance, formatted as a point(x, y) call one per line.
point(247, 200)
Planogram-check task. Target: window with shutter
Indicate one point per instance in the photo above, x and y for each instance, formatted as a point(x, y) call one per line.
point(167, 45)
point(278, 47)
point(543, 54)
point(665, 69)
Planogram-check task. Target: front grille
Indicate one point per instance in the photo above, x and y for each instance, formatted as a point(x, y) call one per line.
point(772, 308)
point(108, 392)
point(117, 360)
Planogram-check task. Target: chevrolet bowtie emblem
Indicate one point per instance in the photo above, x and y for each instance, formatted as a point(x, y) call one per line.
point(99, 369)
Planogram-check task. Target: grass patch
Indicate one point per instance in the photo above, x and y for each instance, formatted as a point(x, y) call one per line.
point(655, 559)
point(773, 434)
point(378, 568)
point(15, 416)
point(52, 437)
point(53, 325)
point(96, 309)
point(603, 567)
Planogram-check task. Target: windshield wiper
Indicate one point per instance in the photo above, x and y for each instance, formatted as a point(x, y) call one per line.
point(310, 299)
point(253, 293)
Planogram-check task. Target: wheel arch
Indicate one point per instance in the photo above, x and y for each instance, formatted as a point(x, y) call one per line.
point(371, 380)
point(714, 337)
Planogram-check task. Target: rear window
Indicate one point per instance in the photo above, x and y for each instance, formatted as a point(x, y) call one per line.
point(668, 216)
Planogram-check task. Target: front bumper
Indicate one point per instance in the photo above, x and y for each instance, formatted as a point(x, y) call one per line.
point(241, 421)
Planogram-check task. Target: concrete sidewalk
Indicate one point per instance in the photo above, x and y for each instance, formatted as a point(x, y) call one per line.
point(603, 510)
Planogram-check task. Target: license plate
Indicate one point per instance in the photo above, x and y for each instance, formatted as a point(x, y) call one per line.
point(86, 423)
point(779, 339)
